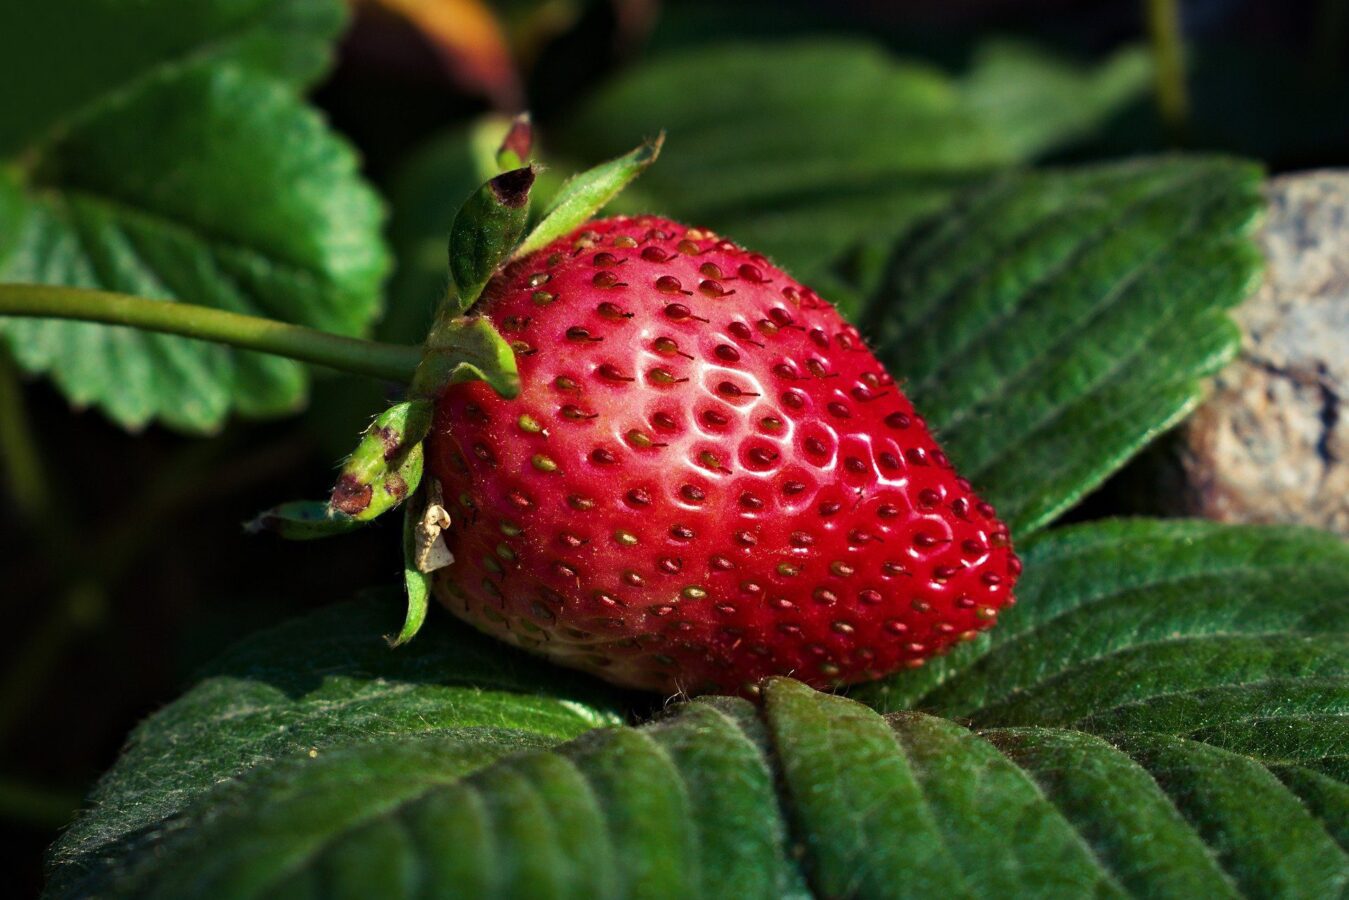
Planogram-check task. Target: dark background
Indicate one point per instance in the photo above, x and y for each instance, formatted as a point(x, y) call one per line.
point(143, 573)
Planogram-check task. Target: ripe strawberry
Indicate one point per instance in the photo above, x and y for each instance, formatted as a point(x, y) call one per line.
point(707, 478)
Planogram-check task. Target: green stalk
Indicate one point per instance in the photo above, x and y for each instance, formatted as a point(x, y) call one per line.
point(392, 361)
point(1168, 50)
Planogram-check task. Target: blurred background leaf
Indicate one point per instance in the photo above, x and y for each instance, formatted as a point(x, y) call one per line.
point(851, 148)
point(466, 35)
point(60, 60)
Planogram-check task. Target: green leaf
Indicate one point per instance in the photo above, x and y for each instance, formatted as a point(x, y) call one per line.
point(485, 233)
point(856, 800)
point(303, 520)
point(1114, 803)
point(802, 149)
point(61, 61)
point(244, 200)
point(1220, 778)
point(1260, 832)
point(323, 693)
point(1049, 325)
point(583, 195)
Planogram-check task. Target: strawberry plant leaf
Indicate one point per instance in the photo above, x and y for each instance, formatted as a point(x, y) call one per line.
point(303, 692)
point(1214, 780)
point(63, 60)
point(1049, 325)
point(244, 201)
point(852, 148)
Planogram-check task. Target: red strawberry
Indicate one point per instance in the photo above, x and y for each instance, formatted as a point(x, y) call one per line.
point(707, 478)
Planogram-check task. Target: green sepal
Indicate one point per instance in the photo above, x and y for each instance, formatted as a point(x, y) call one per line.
point(386, 466)
point(485, 232)
point(466, 348)
point(303, 520)
point(517, 145)
point(583, 195)
point(418, 582)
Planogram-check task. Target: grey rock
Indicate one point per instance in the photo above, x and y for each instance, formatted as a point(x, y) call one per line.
point(1272, 443)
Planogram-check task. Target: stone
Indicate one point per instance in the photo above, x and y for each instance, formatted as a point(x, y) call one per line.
point(1272, 442)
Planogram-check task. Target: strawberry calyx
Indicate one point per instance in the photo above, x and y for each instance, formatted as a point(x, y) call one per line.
point(385, 469)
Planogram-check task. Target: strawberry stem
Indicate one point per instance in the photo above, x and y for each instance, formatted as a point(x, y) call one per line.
point(395, 362)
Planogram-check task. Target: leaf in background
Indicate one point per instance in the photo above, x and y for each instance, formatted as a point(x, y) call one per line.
point(282, 702)
point(63, 60)
point(211, 186)
point(1049, 325)
point(1037, 103)
point(802, 149)
point(469, 41)
point(1207, 781)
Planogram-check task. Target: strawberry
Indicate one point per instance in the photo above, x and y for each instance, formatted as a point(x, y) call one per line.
point(707, 478)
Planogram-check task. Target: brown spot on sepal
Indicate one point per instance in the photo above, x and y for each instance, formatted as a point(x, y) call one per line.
point(395, 486)
point(511, 189)
point(350, 496)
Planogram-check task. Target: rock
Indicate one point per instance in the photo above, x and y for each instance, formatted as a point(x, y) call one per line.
point(1271, 444)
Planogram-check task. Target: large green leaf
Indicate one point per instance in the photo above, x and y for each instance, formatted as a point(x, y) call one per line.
point(211, 185)
point(60, 60)
point(1050, 324)
point(1081, 776)
point(326, 685)
point(802, 149)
